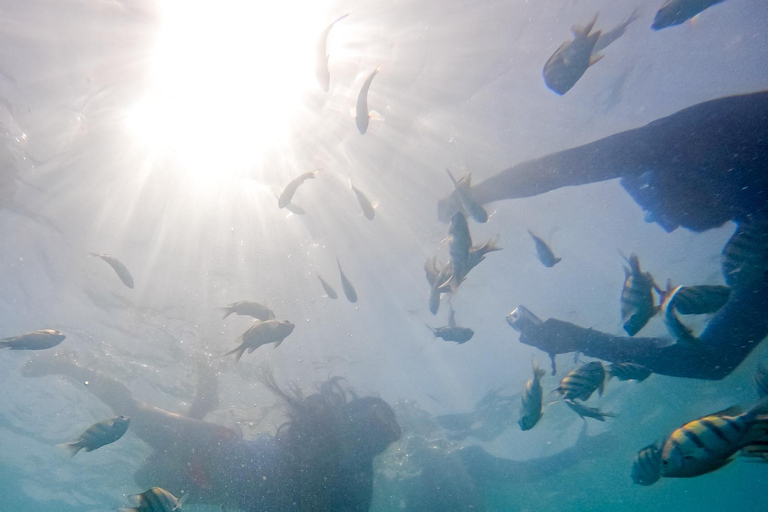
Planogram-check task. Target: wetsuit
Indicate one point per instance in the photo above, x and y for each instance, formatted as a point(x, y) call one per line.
point(698, 168)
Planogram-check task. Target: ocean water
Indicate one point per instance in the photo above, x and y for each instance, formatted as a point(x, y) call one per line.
point(161, 133)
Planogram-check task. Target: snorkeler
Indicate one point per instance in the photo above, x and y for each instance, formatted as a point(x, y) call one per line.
point(698, 168)
point(321, 460)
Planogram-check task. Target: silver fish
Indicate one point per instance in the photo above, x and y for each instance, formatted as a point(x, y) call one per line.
point(321, 56)
point(463, 189)
point(530, 410)
point(120, 269)
point(646, 468)
point(248, 308)
point(757, 449)
point(99, 434)
point(362, 115)
point(262, 333)
point(583, 381)
point(154, 500)
point(457, 334)
point(676, 12)
point(628, 371)
point(329, 291)
point(637, 305)
point(369, 211)
point(346, 285)
point(588, 412)
point(612, 35)
point(545, 254)
point(36, 340)
point(287, 195)
point(459, 245)
point(569, 62)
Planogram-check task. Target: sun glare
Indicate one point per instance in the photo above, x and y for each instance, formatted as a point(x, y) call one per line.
point(229, 76)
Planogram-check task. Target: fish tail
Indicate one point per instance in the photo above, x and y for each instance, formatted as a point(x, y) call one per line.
point(538, 373)
point(557, 260)
point(226, 311)
point(73, 448)
point(239, 351)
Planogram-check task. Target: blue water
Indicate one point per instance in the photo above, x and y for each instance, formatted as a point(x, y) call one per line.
point(184, 194)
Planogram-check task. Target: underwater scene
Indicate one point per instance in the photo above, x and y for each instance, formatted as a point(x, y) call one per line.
point(401, 256)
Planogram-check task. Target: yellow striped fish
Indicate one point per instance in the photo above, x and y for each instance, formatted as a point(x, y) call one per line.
point(646, 469)
point(757, 449)
point(745, 256)
point(637, 304)
point(583, 381)
point(154, 500)
point(709, 443)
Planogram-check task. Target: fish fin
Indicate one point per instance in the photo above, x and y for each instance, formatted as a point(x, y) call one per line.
point(594, 59)
point(181, 502)
point(453, 179)
point(239, 351)
point(278, 342)
point(226, 311)
point(73, 448)
point(375, 116)
point(579, 31)
point(632, 17)
point(558, 260)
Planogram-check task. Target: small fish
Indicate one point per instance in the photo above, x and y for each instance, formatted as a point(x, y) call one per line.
point(545, 254)
point(99, 434)
point(120, 269)
point(262, 333)
point(628, 371)
point(463, 189)
point(248, 308)
point(637, 305)
point(458, 334)
point(761, 379)
point(329, 291)
point(459, 245)
point(362, 115)
point(588, 412)
point(702, 299)
point(709, 443)
point(530, 410)
point(646, 469)
point(369, 211)
point(154, 500)
point(287, 195)
point(680, 331)
point(321, 56)
point(349, 290)
point(477, 252)
point(36, 340)
point(612, 35)
point(569, 62)
point(583, 381)
point(676, 12)
point(745, 256)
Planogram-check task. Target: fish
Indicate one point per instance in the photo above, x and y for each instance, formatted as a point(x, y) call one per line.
point(120, 269)
point(262, 333)
point(676, 12)
point(321, 56)
point(646, 468)
point(678, 329)
point(458, 334)
point(545, 254)
point(570, 61)
point(287, 195)
point(362, 115)
point(612, 35)
point(463, 189)
point(329, 291)
point(637, 303)
point(432, 272)
point(709, 443)
point(99, 434)
point(369, 211)
point(761, 380)
point(477, 252)
point(588, 412)
point(248, 308)
point(530, 409)
point(156, 499)
point(583, 381)
point(628, 371)
point(459, 245)
point(35, 340)
point(701, 299)
point(745, 256)
point(349, 290)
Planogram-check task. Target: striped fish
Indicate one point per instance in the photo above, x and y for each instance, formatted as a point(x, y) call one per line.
point(637, 305)
point(761, 380)
point(154, 500)
point(530, 411)
point(628, 371)
point(745, 256)
point(583, 381)
point(588, 412)
point(709, 443)
point(702, 299)
point(646, 469)
point(99, 434)
point(678, 329)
